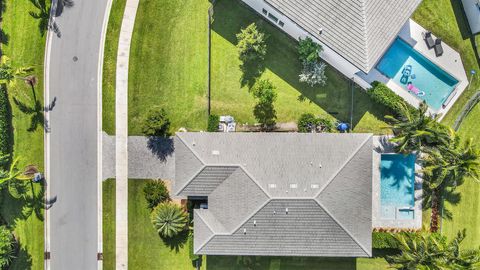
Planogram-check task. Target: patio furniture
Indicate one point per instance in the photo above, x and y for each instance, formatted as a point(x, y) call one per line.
point(438, 47)
point(406, 72)
point(427, 36)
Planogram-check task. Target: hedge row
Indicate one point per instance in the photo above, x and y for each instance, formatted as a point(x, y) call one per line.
point(213, 121)
point(381, 94)
point(384, 240)
point(192, 256)
point(5, 122)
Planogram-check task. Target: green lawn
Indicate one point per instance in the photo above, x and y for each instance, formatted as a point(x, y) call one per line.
point(146, 250)
point(230, 96)
point(446, 19)
point(25, 47)
point(110, 66)
point(108, 207)
point(168, 63)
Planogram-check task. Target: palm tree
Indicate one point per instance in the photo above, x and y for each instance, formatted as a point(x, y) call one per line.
point(13, 177)
point(447, 166)
point(432, 251)
point(414, 129)
point(42, 15)
point(169, 219)
point(9, 74)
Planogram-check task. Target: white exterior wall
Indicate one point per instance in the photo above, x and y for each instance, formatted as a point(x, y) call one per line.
point(292, 29)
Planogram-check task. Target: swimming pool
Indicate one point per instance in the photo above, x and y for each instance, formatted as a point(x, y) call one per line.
point(427, 77)
point(397, 186)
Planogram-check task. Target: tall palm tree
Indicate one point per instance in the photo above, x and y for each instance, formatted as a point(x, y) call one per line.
point(447, 166)
point(432, 251)
point(415, 129)
point(169, 219)
point(9, 74)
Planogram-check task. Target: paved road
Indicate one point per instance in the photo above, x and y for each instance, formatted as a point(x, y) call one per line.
point(73, 123)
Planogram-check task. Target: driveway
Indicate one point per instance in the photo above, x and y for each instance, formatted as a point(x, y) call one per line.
point(72, 145)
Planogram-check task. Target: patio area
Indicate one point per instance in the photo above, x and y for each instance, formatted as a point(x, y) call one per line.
point(450, 62)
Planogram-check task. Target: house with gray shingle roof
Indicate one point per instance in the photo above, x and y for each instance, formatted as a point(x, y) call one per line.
point(278, 194)
point(354, 33)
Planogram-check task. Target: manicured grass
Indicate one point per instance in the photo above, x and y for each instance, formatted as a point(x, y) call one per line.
point(25, 47)
point(108, 205)
point(168, 63)
point(282, 67)
point(446, 19)
point(146, 250)
point(110, 66)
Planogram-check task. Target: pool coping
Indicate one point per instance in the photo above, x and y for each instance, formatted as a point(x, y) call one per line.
point(381, 146)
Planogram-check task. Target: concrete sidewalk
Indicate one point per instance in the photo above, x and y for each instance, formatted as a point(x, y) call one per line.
point(121, 131)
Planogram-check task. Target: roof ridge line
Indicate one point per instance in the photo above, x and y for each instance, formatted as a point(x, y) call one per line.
point(208, 226)
point(248, 217)
point(365, 32)
point(195, 175)
point(343, 166)
point(190, 181)
point(343, 228)
point(193, 151)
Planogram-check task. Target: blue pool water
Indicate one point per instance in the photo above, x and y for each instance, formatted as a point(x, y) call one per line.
point(428, 77)
point(397, 186)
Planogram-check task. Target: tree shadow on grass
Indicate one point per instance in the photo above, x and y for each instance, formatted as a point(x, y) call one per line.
point(251, 72)
point(177, 242)
point(449, 195)
point(161, 147)
point(23, 260)
point(283, 60)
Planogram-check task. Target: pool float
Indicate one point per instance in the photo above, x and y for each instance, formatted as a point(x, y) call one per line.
point(412, 88)
point(406, 72)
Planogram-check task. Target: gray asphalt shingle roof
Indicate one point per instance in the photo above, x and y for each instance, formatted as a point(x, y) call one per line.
point(323, 181)
point(360, 31)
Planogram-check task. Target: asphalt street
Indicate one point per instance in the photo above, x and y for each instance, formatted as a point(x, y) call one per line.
point(73, 123)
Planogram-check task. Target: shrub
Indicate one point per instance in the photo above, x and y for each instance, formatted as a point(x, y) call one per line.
point(156, 123)
point(213, 121)
point(155, 193)
point(192, 255)
point(307, 123)
point(314, 74)
point(251, 44)
point(264, 111)
point(383, 240)
point(381, 94)
point(7, 247)
point(5, 122)
point(169, 219)
point(309, 51)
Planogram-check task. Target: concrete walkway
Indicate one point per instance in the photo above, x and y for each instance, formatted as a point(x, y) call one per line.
point(147, 158)
point(121, 131)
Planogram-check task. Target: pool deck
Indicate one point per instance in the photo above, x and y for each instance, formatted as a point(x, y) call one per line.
point(450, 62)
point(383, 146)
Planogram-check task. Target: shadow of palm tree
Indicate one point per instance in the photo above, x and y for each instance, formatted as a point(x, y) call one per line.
point(177, 242)
point(62, 4)
point(161, 147)
point(36, 112)
point(449, 195)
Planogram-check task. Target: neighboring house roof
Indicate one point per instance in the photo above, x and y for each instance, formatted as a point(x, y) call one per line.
point(360, 31)
point(282, 194)
point(472, 10)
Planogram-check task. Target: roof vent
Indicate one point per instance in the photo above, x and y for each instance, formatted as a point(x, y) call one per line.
point(244, 231)
point(286, 210)
point(254, 223)
point(215, 152)
point(272, 185)
point(320, 165)
point(311, 163)
point(286, 191)
point(315, 186)
point(293, 185)
point(274, 212)
point(193, 143)
point(320, 31)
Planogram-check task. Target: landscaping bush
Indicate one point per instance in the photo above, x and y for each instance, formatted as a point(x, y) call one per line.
point(264, 110)
point(309, 123)
point(384, 240)
point(169, 219)
point(213, 121)
point(156, 123)
point(309, 51)
point(155, 193)
point(7, 247)
point(251, 44)
point(192, 256)
point(381, 94)
point(5, 122)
